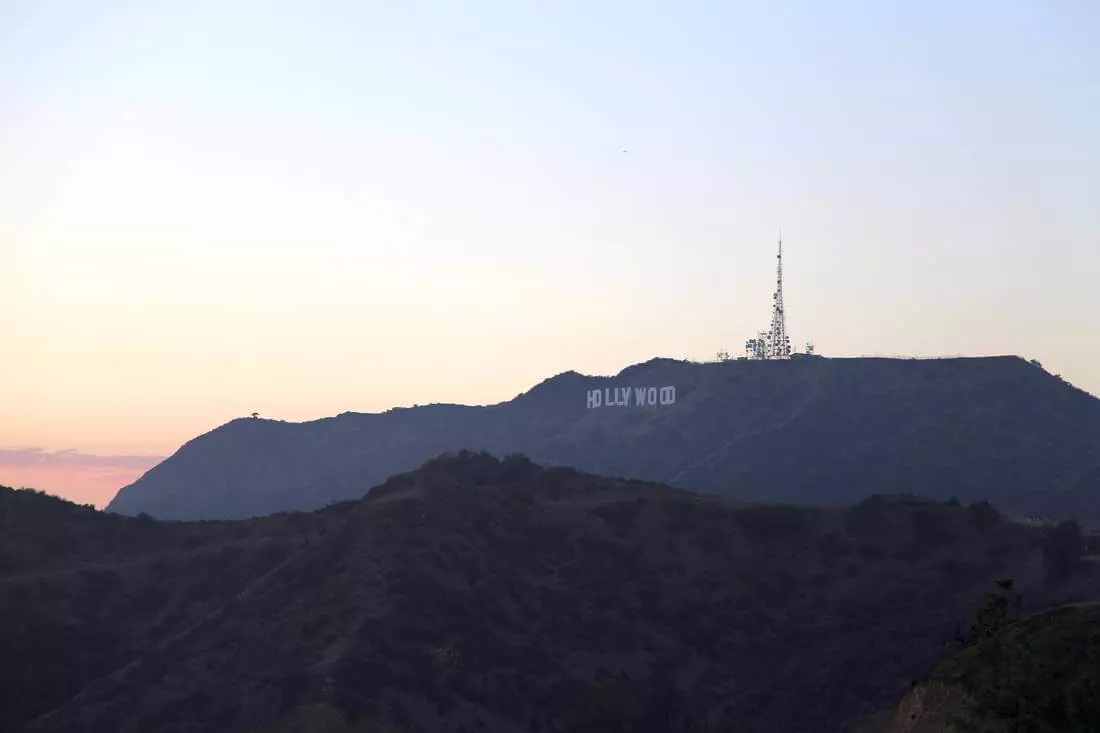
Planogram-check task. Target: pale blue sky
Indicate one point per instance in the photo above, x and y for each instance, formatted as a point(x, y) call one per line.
point(209, 208)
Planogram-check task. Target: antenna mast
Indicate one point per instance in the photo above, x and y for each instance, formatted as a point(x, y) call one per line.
point(778, 343)
point(773, 343)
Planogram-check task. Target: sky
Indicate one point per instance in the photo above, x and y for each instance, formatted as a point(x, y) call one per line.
point(305, 208)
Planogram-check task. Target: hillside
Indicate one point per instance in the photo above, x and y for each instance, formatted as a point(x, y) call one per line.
point(483, 595)
point(821, 431)
point(82, 592)
point(1041, 674)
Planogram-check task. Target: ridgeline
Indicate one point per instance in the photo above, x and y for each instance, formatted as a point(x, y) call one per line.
point(812, 430)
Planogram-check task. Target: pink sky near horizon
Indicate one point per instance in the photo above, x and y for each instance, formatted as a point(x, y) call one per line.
point(77, 477)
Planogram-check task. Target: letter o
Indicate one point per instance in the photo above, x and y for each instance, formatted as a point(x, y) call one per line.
point(668, 395)
point(651, 395)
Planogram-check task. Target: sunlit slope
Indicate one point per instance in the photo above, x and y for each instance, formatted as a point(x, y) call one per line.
point(815, 430)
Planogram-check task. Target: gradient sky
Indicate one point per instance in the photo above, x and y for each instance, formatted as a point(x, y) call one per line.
point(304, 208)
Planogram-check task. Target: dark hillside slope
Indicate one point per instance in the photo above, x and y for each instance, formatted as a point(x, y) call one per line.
point(82, 592)
point(817, 430)
point(1040, 674)
point(475, 594)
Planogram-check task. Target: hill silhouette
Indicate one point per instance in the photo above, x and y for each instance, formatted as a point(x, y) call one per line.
point(814, 430)
point(477, 594)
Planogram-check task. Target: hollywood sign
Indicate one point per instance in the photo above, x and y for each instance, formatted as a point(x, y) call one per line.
point(631, 397)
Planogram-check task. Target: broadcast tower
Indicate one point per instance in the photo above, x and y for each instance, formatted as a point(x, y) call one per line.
point(778, 344)
point(773, 343)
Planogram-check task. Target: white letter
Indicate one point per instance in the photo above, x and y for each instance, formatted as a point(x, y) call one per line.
point(593, 398)
point(668, 395)
point(626, 396)
point(607, 396)
point(639, 396)
point(651, 396)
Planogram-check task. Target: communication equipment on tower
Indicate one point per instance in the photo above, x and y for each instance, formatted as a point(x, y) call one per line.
point(773, 343)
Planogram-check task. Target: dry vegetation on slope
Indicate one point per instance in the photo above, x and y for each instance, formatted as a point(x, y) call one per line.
point(484, 595)
point(1040, 674)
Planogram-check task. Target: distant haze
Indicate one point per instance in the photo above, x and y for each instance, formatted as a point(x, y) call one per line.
point(214, 208)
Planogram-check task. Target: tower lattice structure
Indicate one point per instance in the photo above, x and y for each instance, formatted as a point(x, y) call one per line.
point(773, 343)
point(777, 344)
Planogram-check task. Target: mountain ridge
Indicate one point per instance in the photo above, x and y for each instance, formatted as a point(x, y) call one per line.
point(814, 430)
